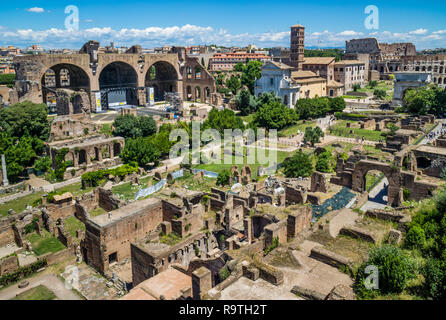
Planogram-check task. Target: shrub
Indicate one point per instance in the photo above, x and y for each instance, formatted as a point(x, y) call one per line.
point(223, 178)
point(395, 269)
point(435, 279)
point(273, 246)
point(95, 178)
point(42, 164)
point(23, 272)
point(300, 165)
point(415, 237)
point(224, 274)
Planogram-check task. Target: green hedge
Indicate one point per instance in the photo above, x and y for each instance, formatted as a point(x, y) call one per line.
point(95, 178)
point(349, 116)
point(23, 272)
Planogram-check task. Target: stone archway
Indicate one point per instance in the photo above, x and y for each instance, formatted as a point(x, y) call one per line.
point(119, 82)
point(82, 157)
point(163, 77)
point(392, 174)
point(63, 75)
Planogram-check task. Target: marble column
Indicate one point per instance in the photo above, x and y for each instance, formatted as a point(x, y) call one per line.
point(5, 174)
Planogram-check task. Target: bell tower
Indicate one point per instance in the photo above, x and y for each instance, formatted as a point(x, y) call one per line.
point(297, 46)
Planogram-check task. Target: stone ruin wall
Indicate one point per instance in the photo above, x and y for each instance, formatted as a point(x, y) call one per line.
point(146, 264)
point(116, 237)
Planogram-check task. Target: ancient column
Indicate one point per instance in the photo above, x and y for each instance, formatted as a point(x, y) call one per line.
point(5, 174)
point(100, 158)
point(112, 151)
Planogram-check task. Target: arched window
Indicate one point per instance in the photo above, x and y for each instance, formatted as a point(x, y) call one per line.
point(189, 72)
point(197, 72)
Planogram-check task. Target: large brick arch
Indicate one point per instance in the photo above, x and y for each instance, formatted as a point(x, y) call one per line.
point(31, 69)
point(391, 173)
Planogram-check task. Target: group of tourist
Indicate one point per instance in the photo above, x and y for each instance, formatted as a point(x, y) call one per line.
point(437, 133)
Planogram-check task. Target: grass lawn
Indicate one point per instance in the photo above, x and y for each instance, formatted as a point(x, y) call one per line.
point(218, 168)
point(45, 243)
point(340, 130)
point(127, 191)
point(370, 150)
point(97, 212)
point(372, 179)
point(171, 240)
point(37, 293)
point(72, 224)
point(202, 185)
point(19, 205)
point(299, 126)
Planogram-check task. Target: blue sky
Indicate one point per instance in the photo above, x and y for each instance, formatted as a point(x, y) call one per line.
point(264, 23)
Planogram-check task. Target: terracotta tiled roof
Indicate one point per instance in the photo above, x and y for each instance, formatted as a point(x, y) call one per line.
point(281, 65)
point(333, 83)
point(318, 60)
point(302, 74)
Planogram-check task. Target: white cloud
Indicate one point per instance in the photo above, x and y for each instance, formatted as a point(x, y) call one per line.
point(419, 31)
point(350, 33)
point(36, 10)
point(192, 34)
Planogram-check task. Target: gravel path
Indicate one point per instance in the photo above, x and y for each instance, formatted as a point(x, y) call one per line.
point(50, 281)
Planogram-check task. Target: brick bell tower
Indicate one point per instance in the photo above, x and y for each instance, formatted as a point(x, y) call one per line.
point(297, 46)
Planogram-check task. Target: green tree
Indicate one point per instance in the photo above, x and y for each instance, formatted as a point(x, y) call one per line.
point(42, 164)
point(251, 73)
point(316, 107)
point(325, 162)
point(147, 126)
point(337, 104)
point(223, 178)
point(221, 120)
point(275, 115)
point(395, 270)
point(373, 84)
point(246, 103)
point(140, 150)
point(25, 118)
point(300, 165)
point(233, 84)
point(426, 100)
point(356, 87)
point(380, 94)
point(313, 136)
point(127, 126)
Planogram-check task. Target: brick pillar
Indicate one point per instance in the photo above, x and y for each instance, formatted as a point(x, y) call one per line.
point(201, 282)
point(76, 159)
point(247, 223)
point(100, 158)
point(88, 157)
point(112, 151)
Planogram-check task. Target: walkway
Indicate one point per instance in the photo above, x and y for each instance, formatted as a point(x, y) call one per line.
point(327, 140)
point(378, 196)
point(50, 281)
point(45, 188)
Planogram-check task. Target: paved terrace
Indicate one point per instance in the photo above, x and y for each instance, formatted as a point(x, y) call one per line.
point(124, 212)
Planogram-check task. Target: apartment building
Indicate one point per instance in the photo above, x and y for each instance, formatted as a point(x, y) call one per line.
point(227, 61)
